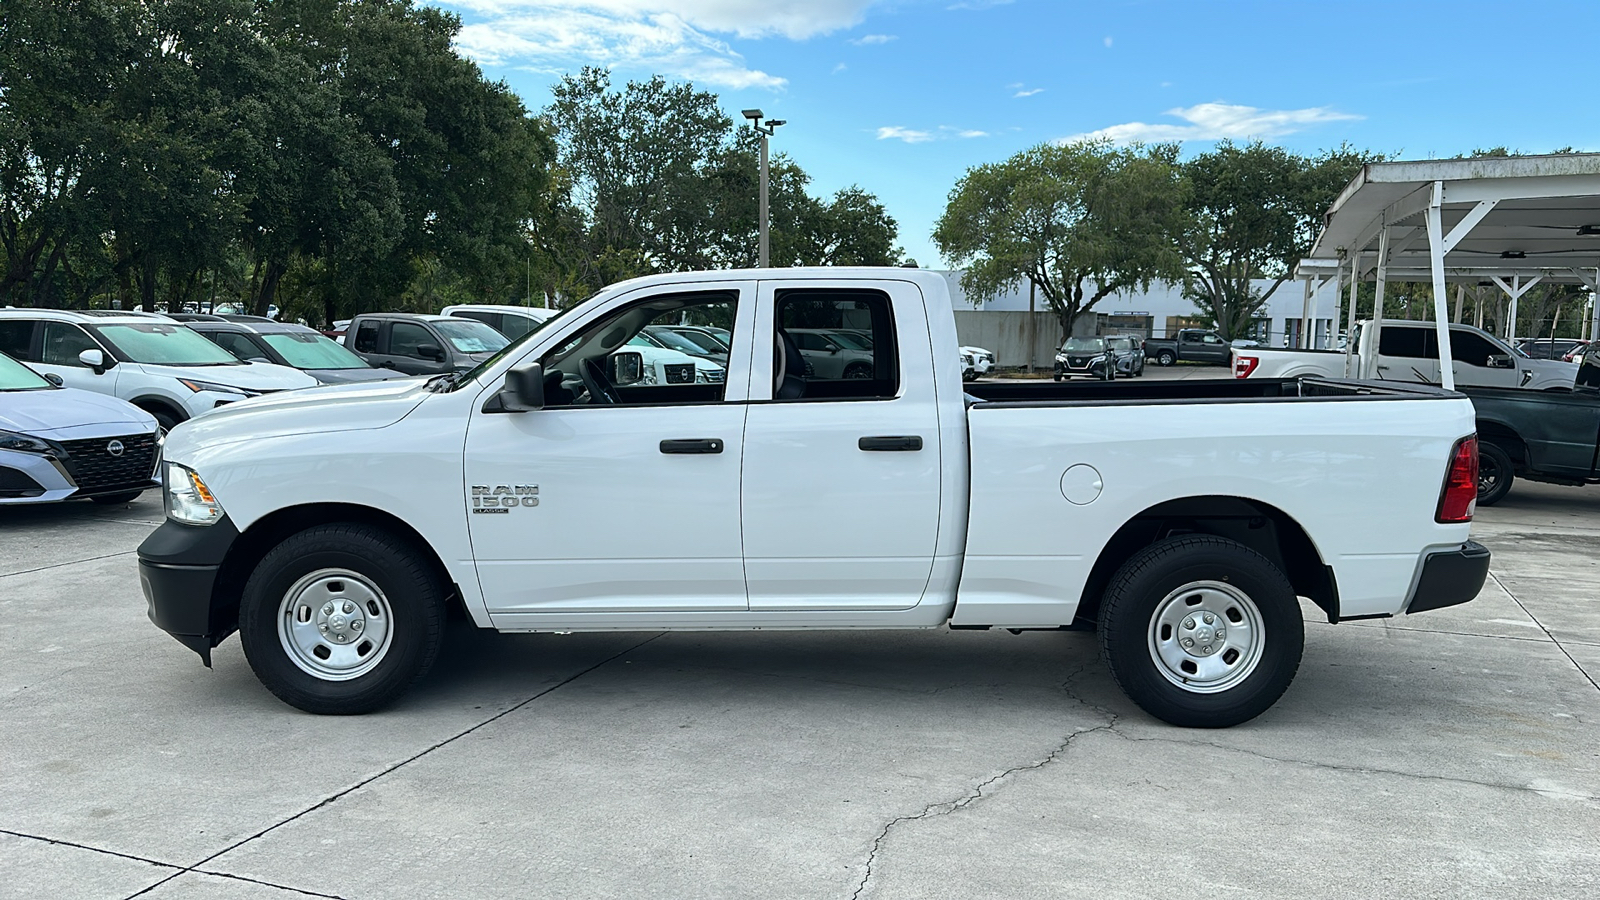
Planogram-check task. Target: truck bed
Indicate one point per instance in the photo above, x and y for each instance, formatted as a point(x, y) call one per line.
point(1207, 390)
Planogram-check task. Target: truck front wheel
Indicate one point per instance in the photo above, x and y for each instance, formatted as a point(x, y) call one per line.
point(1201, 632)
point(340, 619)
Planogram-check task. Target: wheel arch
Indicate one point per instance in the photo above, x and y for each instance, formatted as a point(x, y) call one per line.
point(1260, 526)
point(270, 530)
point(152, 402)
point(1506, 438)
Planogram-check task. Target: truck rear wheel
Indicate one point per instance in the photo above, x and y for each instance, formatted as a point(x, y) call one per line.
point(1201, 632)
point(340, 619)
point(1496, 471)
point(1166, 357)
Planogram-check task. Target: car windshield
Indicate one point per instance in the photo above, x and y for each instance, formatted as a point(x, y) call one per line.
point(164, 344)
point(471, 336)
point(1122, 345)
point(681, 342)
point(1083, 344)
point(852, 341)
point(15, 376)
point(707, 339)
point(307, 350)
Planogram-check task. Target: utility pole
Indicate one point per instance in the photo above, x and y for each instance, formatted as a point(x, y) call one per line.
point(764, 255)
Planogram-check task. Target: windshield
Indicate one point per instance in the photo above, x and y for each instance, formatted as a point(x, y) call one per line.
point(682, 343)
point(305, 350)
point(852, 341)
point(478, 369)
point(15, 376)
point(1083, 344)
point(471, 336)
point(162, 344)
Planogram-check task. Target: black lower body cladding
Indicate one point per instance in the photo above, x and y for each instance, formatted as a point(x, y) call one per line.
point(178, 567)
point(1450, 578)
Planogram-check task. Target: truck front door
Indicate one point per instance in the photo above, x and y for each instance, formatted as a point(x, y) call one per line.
point(622, 494)
point(841, 475)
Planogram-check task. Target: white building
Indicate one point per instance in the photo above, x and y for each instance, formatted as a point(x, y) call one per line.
point(1162, 310)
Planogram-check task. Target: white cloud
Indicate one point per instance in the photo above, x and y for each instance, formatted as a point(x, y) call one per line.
point(869, 39)
point(977, 4)
point(910, 136)
point(671, 37)
point(1108, 40)
point(1029, 93)
point(839, 68)
point(1216, 121)
point(972, 133)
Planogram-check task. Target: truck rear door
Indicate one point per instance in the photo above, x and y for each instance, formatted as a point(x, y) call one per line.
point(841, 487)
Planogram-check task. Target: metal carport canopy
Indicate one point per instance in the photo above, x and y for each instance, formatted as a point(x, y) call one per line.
point(1513, 220)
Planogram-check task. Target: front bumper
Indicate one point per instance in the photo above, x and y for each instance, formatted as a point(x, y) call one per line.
point(1450, 578)
point(178, 568)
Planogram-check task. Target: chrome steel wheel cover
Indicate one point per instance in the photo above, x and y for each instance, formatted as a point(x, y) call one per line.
point(1206, 637)
point(335, 624)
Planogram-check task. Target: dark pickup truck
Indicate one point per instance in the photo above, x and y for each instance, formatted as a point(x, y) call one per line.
point(1191, 345)
point(1551, 436)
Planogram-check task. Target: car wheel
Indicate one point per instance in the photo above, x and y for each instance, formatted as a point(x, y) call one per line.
point(1166, 358)
point(1056, 375)
point(1496, 471)
point(1201, 631)
point(862, 370)
point(117, 499)
point(340, 619)
point(165, 421)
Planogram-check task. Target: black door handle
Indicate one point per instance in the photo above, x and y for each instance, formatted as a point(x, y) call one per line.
point(891, 442)
point(699, 445)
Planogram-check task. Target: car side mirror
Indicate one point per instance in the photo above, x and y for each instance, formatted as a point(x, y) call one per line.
point(54, 379)
point(94, 359)
point(1501, 361)
point(524, 390)
point(627, 367)
point(430, 351)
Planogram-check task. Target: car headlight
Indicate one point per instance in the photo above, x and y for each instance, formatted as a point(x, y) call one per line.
point(201, 386)
point(22, 443)
point(188, 499)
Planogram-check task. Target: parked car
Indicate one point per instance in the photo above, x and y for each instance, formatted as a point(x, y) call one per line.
point(1409, 351)
point(60, 443)
point(153, 362)
point(334, 529)
point(511, 321)
point(1549, 348)
point(1578, 353)
point(829, 356)
point(1092, 357)
point(257, 339)
point(1129, 352)
point(714, 338)
point(1189, 345)
point(1546, 436)
point(982, 362)
point(421, 344)
point(697, 345)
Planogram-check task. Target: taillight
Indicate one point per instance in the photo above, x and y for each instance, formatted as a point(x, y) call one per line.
point(1460, 495)
point(1244, 365)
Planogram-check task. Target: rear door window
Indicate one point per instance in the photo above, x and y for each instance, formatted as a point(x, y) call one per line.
point(16, 339)
point(827, 371)
point(1406, 343)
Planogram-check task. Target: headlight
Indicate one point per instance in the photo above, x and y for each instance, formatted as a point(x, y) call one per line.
point(188, 499)
point(200, 386)
point(22, 443)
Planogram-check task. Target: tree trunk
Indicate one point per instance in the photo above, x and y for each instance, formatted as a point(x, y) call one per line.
point(269, 287)
point(147, 286)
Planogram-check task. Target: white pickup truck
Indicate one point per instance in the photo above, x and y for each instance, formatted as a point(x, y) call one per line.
point(333, 527)
point(1409, 351)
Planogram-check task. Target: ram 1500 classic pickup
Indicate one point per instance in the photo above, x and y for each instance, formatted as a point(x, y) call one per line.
point(332, 528)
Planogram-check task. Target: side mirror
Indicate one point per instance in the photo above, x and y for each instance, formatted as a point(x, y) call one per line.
point(1501, 361)
point(627, 367)
point(524, 390)
point(94, 359)
point(430, 351)
point(54, 379)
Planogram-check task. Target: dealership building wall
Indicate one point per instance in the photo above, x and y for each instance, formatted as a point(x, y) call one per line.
point(1160, 311)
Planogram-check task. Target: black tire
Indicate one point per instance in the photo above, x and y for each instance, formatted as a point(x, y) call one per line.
point(117, 499)
point(164, 420)
point(410, 596)
point(1056, 375)
point(1166, 358)
point(1264, 633)
point(860, 370)
point(1496, 471)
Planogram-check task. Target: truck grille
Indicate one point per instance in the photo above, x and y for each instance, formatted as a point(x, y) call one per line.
point(680, 373)
point(96, 468)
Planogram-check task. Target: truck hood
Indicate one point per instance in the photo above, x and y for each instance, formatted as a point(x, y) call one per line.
point(339, 407)
point(45, 412)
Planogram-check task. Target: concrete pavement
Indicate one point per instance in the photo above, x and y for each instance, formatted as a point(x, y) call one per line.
point(1451, 754)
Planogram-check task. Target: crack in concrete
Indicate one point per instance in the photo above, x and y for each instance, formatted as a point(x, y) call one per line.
point(1562, 647)
point(946, 807)
point(337, 795)
point(1357, 770)
point(73, 562)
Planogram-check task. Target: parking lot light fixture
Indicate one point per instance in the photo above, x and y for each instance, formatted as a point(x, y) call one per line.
point(765, 129)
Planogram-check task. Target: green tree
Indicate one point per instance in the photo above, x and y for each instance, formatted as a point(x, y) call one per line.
point(1079, 222)
point(1252, 212)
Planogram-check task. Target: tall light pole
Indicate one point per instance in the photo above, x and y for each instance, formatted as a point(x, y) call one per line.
point(755, 116)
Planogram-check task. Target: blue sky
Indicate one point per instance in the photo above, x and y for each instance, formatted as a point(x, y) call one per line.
point(903, 96)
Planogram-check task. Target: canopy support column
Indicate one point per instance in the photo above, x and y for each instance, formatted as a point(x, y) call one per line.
point(1514, 290)
point(1371, 369)
point(1441, 321)
point(1350, 327)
